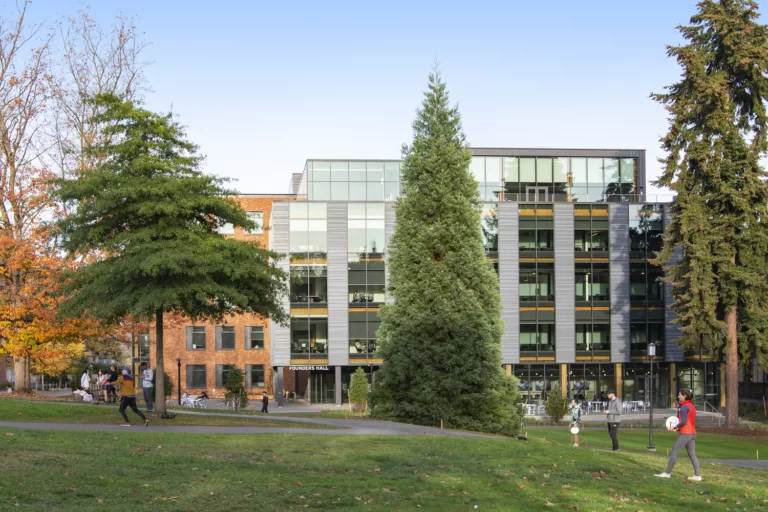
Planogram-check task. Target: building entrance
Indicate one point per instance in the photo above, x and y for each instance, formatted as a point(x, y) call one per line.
point(537, 194)
point(322, 387)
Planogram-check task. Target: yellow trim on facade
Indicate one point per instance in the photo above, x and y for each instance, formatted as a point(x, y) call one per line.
point(722, 385)
point(508, 369)
point(310, 261)
point(599, 213)
point(309, 362)
point(564, 378)
point(370, 360)
point(582, 213)
point(593, 358)
point(527, 213)
point(309, 311)
point(619, 381)
point(534, 358)
point(363, 310)
point(593, 308)
point(534, 308)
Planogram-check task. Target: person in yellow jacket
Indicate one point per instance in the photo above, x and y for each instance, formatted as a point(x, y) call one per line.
point(128, 396)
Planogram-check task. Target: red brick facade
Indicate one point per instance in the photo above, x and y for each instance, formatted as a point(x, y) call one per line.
point(175, 344)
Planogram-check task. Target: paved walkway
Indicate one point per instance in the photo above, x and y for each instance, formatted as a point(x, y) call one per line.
point(753, 464)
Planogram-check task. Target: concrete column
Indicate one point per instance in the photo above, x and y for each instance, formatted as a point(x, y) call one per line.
point(619, 380)
point(564, 379)
point(278, 387)
point(337, 391)
point(672, 384)
point(722, 387)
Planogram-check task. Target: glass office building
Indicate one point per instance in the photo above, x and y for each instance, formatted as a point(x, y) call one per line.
point(571, 234)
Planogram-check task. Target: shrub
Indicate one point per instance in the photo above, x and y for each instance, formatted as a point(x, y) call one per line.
point(557, 405)
point(358, 390)
point(235, 386)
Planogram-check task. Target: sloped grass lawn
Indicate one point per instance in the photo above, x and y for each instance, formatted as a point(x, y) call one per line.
point(45, 470)
point(15, 410)
point(708, 445)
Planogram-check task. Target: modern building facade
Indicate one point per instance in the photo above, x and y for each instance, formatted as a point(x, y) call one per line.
point(570, 232)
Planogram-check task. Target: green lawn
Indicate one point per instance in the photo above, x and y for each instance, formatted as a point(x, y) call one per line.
point(15, 410)
point(45, 470)
point(708, 446)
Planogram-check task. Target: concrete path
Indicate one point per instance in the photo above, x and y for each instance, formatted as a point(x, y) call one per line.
point(753, 464)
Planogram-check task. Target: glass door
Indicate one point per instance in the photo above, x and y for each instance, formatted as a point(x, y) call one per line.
point(322, 388)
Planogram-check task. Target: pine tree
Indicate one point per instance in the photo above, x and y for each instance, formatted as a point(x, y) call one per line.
point(717, 135)
point(358, 390)
point(152, 215)
point(440, 340)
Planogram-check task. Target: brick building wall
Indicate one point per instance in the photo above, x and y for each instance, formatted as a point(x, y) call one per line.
point(175, 331)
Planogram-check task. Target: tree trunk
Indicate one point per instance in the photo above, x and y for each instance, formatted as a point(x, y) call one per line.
point(732, 369)
point(159, 365)
point(21, 374)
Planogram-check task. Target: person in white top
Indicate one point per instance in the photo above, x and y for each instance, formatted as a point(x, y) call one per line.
point(148, 388)
point(85, 380)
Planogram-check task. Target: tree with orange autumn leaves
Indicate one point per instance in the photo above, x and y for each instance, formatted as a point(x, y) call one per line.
point(44, 132)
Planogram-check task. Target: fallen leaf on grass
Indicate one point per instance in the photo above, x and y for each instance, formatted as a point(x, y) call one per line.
point(140, 452)
point(66, 473)
point(100, 501)
point(72, 489)
point(297, 484)
point(519, 486)
point(385, 490)
point(9, 433)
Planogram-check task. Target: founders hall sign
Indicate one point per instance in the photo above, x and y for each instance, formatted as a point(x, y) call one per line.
point(311, 368)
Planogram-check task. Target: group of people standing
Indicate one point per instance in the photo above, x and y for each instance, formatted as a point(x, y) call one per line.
point(110, 382)
point(686, 426)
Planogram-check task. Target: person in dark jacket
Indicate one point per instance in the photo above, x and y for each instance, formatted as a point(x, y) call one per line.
point(265, 402)
point(614, 418)
point(686, 425)
point(111, 391)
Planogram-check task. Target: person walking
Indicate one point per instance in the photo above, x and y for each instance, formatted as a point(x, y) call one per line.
point(613, 415)
point(575, 421)
point(686, 425)
point(147, 387)
point(265, 402)
point(128, 396)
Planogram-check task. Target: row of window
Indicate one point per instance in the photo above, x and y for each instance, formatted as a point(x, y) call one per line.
point(225, 337)
point(590, 337)
point(197, 375)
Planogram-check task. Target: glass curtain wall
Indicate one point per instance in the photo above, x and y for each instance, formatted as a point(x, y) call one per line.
point(646, 288)
point(489, 226)
point(309, 281)
point(591, 382)
point(703, 379)
point(536, 380)
point(592, 280)
point(353, 180)
point(537, 280)
point(367, 287)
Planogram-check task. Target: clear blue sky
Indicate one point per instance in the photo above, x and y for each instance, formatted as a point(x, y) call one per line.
point(262, 86)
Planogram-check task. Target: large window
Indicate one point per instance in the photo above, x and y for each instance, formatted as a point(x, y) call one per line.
point(226, 338)
point(592, 282)
point(646, 286)
point(536, 246)
point(196, 338)
point(362, 333)
point(258, 219)
point(309, 285)
point(254, 338)
point(592, 337)
point(222, 370)
point(309, 337)
point(537, 282)
point(489, 227)
point(366, 245)
point(537, 338)
point(196, 376)
point(254, 375)
point(353, 180)
point(536, 380)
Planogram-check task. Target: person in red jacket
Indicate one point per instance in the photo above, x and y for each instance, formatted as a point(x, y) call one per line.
point(687, 428)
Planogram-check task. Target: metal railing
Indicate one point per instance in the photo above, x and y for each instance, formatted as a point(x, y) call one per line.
point(714, 410)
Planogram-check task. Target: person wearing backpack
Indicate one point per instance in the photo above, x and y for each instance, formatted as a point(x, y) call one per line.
point(148, 385)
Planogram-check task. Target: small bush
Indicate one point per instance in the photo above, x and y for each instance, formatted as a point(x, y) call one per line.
point(557, 405)
point(235, 386)
point(358, 390)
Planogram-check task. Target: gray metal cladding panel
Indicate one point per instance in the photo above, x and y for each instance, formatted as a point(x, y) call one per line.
point(565, 285)
point(338, 303)
point(618, 245)
point(509, 281)
point(673, 351)
point(280, 336)
point(389, 230)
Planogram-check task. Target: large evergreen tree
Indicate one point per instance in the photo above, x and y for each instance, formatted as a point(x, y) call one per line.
point(146, 207)
point(717, 135)
point(440, 339)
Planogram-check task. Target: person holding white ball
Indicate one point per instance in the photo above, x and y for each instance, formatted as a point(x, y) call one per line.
point(686, 425)
point(575, 422)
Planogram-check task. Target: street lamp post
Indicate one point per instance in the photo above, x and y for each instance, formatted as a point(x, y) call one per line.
point(178, 378)
point(651, 354)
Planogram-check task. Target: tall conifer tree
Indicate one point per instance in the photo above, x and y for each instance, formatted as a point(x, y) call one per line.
point(148, 209)
point(440, 339)
point(717, 135)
